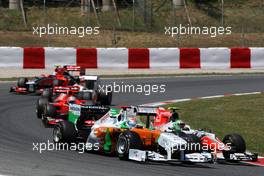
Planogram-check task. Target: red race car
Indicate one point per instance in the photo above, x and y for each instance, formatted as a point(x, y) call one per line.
point(63, 76)
point(53, 105)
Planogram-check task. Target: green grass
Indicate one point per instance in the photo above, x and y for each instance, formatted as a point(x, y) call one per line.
point(243, 16)
point(238, 14)
point(235, 114)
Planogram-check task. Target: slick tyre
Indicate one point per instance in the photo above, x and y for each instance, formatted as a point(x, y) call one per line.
point(63, 132)
point(57, 82)
point(127, 140)
point(21, 82)
point(50, 111)
point(41, 104)
point(237, 144)
point(47, 93)
point(105, 98)
point(84, 96)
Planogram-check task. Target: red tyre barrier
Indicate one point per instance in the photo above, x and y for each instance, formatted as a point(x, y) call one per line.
point(34, 58)
point(86, 57)
point(138, 58)
point(190, 58)
point(240, 58)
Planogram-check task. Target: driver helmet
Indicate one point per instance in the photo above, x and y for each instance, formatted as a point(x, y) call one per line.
point(132, 122)
point(174, 116)
point(181, 124)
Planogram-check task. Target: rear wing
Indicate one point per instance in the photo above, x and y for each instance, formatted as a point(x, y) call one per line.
point(90, 78)
point(146, 110)
point(75, 69)
point(94, 109)
point(86, 111)
point(61, 89)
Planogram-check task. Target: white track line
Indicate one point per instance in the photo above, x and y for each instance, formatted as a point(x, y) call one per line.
point(161, 103)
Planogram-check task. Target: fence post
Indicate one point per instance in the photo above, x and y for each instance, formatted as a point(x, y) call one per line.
point(14, 4)
point(151, 15)
point(222, 12)
point(134, 15)
point(107, 5)
point(46, 20)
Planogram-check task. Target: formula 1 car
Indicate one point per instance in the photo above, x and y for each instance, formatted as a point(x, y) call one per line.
point(231, 148)
point(63, 77)
point(56, 108)
point(124, 133)
point(53, 105)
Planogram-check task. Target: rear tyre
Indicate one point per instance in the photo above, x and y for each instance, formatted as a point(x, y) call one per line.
point(84, 96)
point(64, 132)
point(105, 98)
point(237, 144)
point(127, 140)
point(22, 82)
point(41, 103)
point(57, 82)
point(47, 93)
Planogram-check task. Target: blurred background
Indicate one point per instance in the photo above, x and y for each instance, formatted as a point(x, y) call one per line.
point(132, 23)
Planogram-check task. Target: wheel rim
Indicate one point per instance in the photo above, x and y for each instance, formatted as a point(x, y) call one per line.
point(122, 145)
point(57, 134)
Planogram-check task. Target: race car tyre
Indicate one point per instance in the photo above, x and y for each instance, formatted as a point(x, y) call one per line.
point(50, 111)
point(11, 89)
point(22, 82)
point(237, 144)
point(64, 131)
point(47, 93)
point(41, 103)
point(127, 140)
point(84, 96)
point(105, 98)
point(57, 82)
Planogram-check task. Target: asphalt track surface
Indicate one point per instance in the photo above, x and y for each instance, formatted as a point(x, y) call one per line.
point(19, 128)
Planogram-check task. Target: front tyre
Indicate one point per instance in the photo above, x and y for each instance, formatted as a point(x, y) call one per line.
point(236, 143)
point(127, 140)
point(122, 147)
